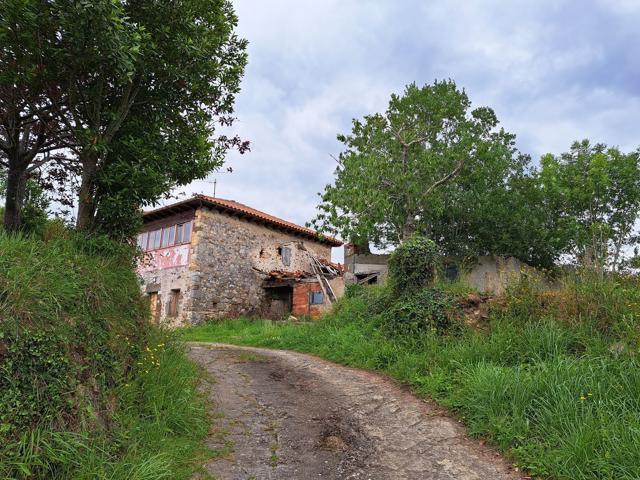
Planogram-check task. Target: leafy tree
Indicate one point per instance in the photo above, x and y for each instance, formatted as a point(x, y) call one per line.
point(28, 129)
point(172, 68)
point(35, 207)
point(170, 136)
point(402, 171)
point(500, 209)
point(97, 54)
point(595, 193)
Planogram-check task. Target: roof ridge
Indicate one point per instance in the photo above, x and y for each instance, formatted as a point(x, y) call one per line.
point(253, 212)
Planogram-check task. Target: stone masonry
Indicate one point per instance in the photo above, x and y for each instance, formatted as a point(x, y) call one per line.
point(231, 257)
point(228, 260)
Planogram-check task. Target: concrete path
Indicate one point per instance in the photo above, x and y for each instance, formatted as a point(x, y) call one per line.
point(286, 415)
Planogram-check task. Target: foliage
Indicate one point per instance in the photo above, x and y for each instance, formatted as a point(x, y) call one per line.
point(412, 264)
point(35, 206)
point(138, 102)
point(427, 310)
point(398, 168)
point(28, 128)
point(87, 389)
point(170, 136)
point(594, 191)
point(555, 383)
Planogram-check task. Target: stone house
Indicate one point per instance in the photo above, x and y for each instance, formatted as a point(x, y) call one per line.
point(210, 258)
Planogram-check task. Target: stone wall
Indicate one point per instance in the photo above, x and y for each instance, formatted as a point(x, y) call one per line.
point(163, 282)
point(230, 258)
point(489, 274)
point(493, 274)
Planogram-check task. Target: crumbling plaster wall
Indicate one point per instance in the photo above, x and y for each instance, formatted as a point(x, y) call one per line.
point(270, 257)
point(162, 282)
point(493, 274)
point(230, 259)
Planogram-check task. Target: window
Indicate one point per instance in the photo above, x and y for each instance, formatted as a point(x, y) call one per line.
point(179, 229)
point(174, 303)
point(154, 239)
point(165, 237)
point(316, 298)
point(186, 233)
point(183, 233)
point(451, 272)
point(286, 256)
point(168, 234)
point(142, 240)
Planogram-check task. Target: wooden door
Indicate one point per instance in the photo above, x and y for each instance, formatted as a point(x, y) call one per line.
point(154, 307)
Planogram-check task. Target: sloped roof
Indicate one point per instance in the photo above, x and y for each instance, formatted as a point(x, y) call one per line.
point(237, 208)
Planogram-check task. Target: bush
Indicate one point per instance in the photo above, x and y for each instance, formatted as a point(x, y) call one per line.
point(610, 304)
point(412, 265)
point(428, 310)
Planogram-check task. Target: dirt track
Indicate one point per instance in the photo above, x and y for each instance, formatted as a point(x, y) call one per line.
point(293, 416)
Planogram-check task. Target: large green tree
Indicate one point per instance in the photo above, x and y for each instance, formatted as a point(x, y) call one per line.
point(137, 77)
point(593, 191)
point(171, 135)
point(405, 170)
point(29, 131)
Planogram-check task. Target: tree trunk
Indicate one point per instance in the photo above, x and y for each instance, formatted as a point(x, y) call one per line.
point(409, 227)
point(16, 187)
point(86, 206)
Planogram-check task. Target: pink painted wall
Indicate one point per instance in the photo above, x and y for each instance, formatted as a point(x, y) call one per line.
point(170, 257)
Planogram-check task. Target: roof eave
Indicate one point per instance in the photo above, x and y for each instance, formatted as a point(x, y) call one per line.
point(198, 201)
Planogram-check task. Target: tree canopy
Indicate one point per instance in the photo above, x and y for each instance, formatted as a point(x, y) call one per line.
point(593, 191)
point(403, 171)
point(135, 86)
point(432, 165)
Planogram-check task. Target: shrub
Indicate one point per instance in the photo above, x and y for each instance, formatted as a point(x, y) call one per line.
point(428, 310)
point(412, 264)
point(610, 304)
point(353, 290)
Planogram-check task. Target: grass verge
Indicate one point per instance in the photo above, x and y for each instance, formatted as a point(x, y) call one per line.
point(156, 430)
point(88, 389)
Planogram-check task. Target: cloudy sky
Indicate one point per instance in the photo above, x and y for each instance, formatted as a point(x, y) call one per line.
point(554, 71)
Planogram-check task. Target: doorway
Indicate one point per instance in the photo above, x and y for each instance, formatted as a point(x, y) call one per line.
point(154, 307)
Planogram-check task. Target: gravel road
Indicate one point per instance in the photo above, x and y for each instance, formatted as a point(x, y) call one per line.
point(285, 415)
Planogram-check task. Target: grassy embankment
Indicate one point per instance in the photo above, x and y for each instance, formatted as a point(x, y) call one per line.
point(88, 390)
point(554, 380)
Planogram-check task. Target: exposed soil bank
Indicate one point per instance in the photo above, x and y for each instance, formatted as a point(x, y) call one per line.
point(295, 416)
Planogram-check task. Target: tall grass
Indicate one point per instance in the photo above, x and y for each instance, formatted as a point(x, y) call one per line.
point(554, 385)
point(157, 428)
point(88, 390)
